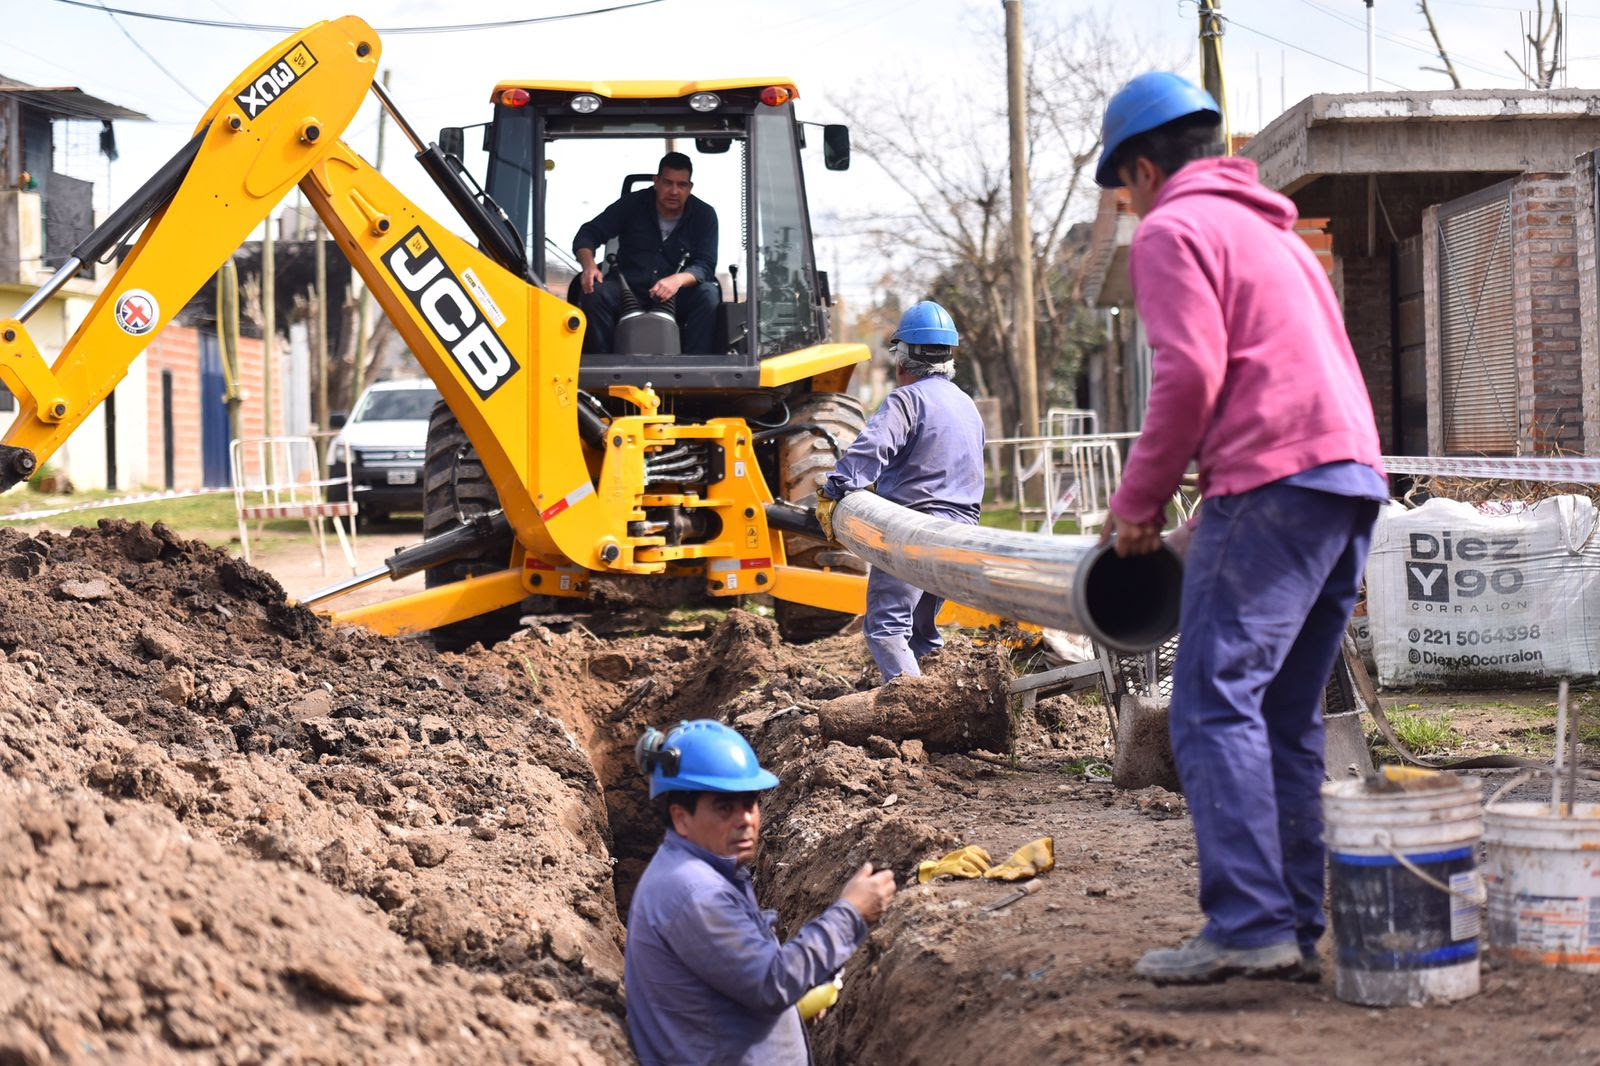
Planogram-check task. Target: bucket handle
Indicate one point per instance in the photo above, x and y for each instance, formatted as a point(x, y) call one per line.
point(1516, 781)
point(1477, 898)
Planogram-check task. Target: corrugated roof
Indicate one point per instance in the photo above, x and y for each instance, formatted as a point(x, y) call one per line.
point(65, 101)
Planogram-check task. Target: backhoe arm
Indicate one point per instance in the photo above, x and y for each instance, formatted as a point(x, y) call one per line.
point(503, 352)
point(278, 120)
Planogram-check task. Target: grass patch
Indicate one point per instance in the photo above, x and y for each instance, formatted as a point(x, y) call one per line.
point(1086, 766)
point(210, 518)
point(1422, 734)
point(1011, 518)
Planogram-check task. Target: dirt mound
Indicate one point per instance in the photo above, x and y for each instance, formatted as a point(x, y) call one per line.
point(426, 798)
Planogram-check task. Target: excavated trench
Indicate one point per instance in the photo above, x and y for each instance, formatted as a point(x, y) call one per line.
point(309, 833)
point(232, 833)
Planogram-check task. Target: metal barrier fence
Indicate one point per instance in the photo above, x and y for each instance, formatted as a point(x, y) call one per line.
point(279, 477)
point(1060, 477)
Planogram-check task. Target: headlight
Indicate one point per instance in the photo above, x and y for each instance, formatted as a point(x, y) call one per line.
point(705, 101)
point(585, 103)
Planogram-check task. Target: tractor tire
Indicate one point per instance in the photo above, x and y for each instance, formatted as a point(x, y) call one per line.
point(805, 460)
point(455, 485)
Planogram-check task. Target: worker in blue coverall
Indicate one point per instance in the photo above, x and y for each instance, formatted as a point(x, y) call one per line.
point(1254, 381)
point(923, 449)
point(707, 980)
point(666, 250)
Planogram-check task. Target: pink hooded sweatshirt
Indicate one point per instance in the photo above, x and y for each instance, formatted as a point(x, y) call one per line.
point(1253, 376)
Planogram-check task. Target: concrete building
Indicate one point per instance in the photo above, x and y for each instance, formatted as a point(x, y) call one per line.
point(1458, 222)
point(46, 208)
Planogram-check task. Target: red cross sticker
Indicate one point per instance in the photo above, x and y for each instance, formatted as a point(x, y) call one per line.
point(137, 312)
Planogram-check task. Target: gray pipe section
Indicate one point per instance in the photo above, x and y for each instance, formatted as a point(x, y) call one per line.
point(1068, 582)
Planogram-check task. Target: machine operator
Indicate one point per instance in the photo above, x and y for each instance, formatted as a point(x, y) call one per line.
point(666, 253)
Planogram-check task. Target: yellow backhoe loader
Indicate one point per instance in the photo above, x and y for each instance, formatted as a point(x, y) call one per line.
point(543, 468)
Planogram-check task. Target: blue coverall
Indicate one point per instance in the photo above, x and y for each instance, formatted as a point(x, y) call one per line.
point(706, 978)
point(924, 450)
point(1269, 580)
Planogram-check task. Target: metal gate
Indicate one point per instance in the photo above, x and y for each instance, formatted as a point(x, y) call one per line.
point(1477, 332)
point(213, 414)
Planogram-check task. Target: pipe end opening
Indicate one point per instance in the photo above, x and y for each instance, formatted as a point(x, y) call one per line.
point(1132, 603)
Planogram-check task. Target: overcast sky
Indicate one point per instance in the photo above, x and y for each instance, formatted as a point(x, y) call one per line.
point(1277, 51)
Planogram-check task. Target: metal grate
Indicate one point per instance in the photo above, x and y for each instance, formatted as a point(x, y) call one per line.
point(1148, 673)
point(1478, 355)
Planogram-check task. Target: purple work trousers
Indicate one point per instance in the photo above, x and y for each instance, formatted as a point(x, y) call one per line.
point(1269, 581)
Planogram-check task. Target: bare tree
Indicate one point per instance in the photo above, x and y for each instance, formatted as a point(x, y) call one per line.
point(1449, 68)
point(945, 151)
point(1542, 37)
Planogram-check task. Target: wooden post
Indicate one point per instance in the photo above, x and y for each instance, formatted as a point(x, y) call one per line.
point(1021, 234)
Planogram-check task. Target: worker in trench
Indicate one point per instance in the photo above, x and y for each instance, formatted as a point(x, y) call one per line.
point(1253, 380)
point(922, 449)
point(707, 980)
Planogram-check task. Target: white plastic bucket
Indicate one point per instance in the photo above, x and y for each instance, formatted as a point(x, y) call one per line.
point(1404, 889)
point(1543, 876)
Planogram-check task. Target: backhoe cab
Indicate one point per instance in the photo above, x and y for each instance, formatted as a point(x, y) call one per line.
point(543, 468)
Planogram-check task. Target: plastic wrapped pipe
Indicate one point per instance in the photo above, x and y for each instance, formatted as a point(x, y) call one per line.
point(1067, 582)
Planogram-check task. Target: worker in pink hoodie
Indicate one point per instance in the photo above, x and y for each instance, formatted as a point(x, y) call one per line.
point(1254, 382)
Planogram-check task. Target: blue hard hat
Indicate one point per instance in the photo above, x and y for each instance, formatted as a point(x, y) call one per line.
point(927, 323)
point(1148, 101)
point(700, 756)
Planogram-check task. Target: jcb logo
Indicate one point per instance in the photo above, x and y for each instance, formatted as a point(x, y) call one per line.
point(259, 94)
point(450, 313)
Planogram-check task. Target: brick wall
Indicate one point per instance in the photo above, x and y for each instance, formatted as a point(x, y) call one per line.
point(1363, 288)
point(177, 349)
point(1588, 300)
point(1545, 297)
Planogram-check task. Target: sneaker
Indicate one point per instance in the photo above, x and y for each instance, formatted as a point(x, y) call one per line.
point(1199, 961)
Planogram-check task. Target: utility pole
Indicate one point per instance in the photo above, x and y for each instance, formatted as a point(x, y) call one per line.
point(364, 303)
point(1372, 39)
point(1211, 64)
point(1021, 234)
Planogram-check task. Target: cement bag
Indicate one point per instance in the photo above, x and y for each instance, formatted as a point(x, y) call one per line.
point(1462, 598)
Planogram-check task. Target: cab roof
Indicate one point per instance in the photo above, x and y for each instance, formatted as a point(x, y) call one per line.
point(647, 90)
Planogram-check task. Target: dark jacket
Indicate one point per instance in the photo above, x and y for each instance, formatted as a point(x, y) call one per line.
point(643, 257)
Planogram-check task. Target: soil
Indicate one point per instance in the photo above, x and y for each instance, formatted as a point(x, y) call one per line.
point(230, 832)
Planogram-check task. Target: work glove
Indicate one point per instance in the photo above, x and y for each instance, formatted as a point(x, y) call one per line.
point(970, 861)
point(1030, 860)
point(825, 508)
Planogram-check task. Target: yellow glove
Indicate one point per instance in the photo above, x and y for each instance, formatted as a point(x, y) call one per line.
point(819, 999)
point(970, 861)
point(825, 508)
point(1028, 861)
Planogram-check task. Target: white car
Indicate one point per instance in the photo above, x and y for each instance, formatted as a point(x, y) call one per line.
point(387, 437)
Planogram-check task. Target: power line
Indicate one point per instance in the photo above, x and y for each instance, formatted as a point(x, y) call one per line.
point(145, 52)
point(1230, 20)
point(1404, 43)
point(1507, 7)
point(389, 30)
